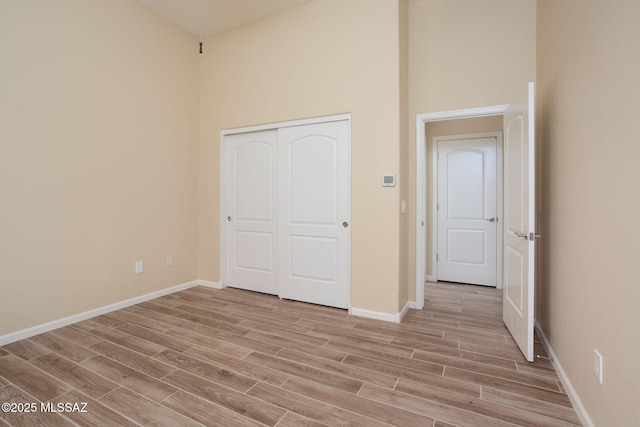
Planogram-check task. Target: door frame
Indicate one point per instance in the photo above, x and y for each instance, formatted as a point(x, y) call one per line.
point(223, 183)
point(421, 173)
point(434, 188)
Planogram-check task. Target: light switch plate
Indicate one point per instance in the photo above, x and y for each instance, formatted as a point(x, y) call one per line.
point(597, 365)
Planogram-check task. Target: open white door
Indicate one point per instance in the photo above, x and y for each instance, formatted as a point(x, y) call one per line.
point(519, 221)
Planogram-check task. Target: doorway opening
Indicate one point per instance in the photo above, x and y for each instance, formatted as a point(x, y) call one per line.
point(424, 169)
point(519, 222)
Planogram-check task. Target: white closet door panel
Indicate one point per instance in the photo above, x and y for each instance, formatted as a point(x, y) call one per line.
point(314, 213)
point(313, 160)
point(254, 172)
point(254, 251)
point(306, 250)
point(251, 164)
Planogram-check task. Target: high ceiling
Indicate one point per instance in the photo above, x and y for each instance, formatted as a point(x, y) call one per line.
point(206, 17)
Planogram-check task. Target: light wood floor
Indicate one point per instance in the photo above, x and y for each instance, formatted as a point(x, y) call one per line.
point(235, 358)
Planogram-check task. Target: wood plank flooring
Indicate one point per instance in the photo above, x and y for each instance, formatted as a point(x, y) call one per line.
point(236, 358)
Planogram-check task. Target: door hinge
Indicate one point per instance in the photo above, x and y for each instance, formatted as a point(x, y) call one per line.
point(437, 257)
point(437, 206)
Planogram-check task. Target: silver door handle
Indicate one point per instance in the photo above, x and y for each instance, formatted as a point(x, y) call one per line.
point(345, 224)
point(492, 219)
point(527, 236)
point(228, 218)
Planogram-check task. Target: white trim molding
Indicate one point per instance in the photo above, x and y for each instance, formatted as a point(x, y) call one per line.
point(208, 284)
point(55, 324)
point(405, 309)
point(494, 110)
point(378, 315)
point(581, 411)
point(278, 125)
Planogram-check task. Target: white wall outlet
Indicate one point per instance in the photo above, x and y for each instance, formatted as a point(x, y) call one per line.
point(169, 261)
point(404, 206)
point(597, 365)
point(138, 267)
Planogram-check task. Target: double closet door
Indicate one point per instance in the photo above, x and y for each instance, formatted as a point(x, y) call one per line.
point(286, 194)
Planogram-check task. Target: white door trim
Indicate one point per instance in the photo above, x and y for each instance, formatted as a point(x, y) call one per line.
point(279, 125)
point(434, 188)
point(421, 173)
point(270, 126)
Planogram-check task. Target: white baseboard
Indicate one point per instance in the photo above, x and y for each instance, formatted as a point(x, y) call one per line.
point(55, 324)
point(404, 311)
point(208, 284)
point(430, 278)
point(571, 392)
point(49, 326)
point(378, 315)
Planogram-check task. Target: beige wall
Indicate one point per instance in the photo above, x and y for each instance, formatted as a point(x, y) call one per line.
point(464, 54)
point(589, 282)
point(98, 145)
point(445, 128)
point(324, 58)
point(104, 101)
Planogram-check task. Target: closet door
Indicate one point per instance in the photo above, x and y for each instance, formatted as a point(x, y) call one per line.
point(251, 251)
point(314, 213)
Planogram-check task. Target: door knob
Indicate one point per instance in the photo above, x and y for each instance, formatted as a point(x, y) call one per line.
point(492, 219)
point(228, 218)
point(527, 236)
point(345, 224)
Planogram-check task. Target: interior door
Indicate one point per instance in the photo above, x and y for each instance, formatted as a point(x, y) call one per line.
point(251, 162)
point(314, 213)
point(467, 210)
point(520, 226)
